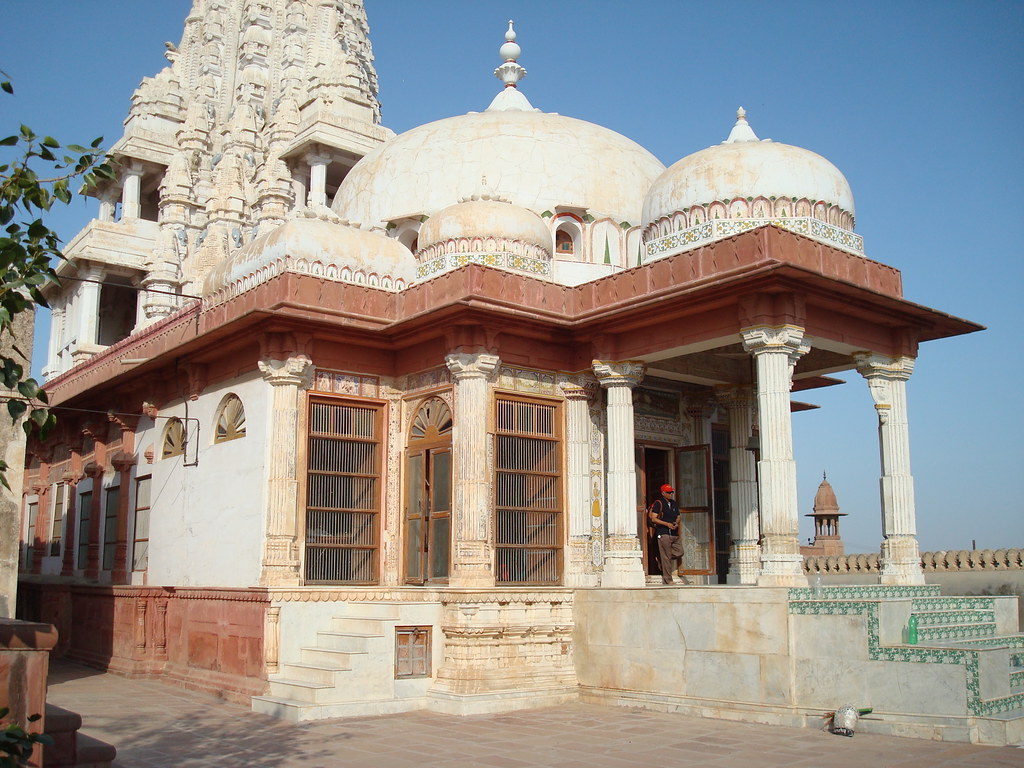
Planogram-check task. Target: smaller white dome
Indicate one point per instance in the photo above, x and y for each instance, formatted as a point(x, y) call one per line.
point(333, 246)
point(485, 219)
point(745, 168)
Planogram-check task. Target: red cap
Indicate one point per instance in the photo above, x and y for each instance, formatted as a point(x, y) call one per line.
point(666, 488)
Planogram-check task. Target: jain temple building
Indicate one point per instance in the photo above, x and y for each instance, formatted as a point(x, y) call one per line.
point(353, 422)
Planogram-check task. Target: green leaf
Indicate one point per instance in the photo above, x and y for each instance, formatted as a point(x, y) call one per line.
point(52, 143)
point(6, 86)
point(40, 416)
point(28, 388)
point(10, 141)
point(16, 408)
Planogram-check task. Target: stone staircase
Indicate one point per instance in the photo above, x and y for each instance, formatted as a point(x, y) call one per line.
point(349, 671)
point(976, 634)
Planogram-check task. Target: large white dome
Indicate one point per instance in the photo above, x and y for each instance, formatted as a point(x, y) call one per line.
point(745, 168)
point(536, 160)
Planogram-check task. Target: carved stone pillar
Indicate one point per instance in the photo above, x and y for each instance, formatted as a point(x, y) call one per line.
point(71, 503)
point(131, 190)
point(623, 564)
point(272, 639)
point(887, 382)
point(88, 310)
point(745, 552)
point(579, 503)
point(472, 556)
point(776, 350)
point(92, 561)
point(119, 573)
point(287, 378)
point(317, 179)
point(41, 545)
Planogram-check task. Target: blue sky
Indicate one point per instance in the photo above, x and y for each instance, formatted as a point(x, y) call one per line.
point(920, 104)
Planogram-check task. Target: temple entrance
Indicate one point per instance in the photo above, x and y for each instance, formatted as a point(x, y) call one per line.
point(653, 469)
point(428, 494)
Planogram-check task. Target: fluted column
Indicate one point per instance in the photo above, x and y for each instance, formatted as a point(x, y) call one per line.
point(579, 503)
point(623, 564)
point(119, 573)
point(131, 194)
point(776, 350)
point(472, 556)
point(287, 378)
point(317, 179)
point(71, 479)
point(93, 551)
point(744, 552)
point(887, 382)
point(87, 309)
point(41, 545)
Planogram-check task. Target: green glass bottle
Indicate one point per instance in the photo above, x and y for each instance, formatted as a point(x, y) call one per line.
point(912, 630)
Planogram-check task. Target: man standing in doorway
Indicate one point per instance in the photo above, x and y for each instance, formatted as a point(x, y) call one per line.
point(664, 515)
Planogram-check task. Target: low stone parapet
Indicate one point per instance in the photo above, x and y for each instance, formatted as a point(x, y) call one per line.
point(953, 560)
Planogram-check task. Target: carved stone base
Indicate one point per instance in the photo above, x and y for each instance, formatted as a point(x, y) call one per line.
point(623, 563)
point(744, 563)
point(501, 646)
point(782, 565)
point(580, 568)
point(901, 561)
point(471, 568)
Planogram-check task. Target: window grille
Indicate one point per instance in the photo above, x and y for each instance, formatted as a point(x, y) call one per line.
point(30, 534)
point(528, 493)
point(140, 546)
point(57, 521)
point(230, 420)
point(412, 652)
point(110, 527)
point(342, 493)
point(84, 528)
point(174, 439)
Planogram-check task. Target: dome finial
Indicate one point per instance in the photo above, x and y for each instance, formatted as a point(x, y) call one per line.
point(510, 72)
point(742, 130)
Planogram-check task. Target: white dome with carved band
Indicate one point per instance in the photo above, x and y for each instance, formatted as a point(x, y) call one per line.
point(747, 177)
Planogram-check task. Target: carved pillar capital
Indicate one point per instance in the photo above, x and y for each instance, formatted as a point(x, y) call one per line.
point(578, 392)
point(293, 371)
point(735, 397)
point(763, 339)
point(622, 373)
point(471, 365)
point(881, 373)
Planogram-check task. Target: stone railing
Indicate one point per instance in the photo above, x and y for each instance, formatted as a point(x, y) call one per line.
point(954, 560)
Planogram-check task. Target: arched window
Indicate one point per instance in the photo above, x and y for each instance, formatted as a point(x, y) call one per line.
point(230, 423)
point(174, 439)
point(564, 245)
point(427, 526)
point(433, 421)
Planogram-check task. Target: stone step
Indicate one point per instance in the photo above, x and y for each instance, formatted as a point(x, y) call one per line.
point(996, 641)
point(948, 618)
point(295, 711)
point(314, 673)
point(353, 642)
point(863, 592)
point(956, 631)
point(1017, 679)
point(301, 690)
point(374, 610)
point(329, 657)
point(951, 603)
point(369, 625)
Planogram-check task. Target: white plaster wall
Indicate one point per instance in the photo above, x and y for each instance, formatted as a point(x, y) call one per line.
point(575, 272)
point(207, 521)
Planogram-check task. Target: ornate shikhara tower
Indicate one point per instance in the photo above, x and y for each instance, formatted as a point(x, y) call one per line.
point(263, 109)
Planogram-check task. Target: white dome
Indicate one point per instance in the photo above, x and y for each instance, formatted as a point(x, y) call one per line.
point(744, 168)
point(334, 248)
point(536, 160)
point(485, 219)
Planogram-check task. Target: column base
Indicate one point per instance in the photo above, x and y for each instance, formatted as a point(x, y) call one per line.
point(623, 563)
point(471, 567)
point(744, 563)
point(781, 568)
point(901, 562)
point(580, 571)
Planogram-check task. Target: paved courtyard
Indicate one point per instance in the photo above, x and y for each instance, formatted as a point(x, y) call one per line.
point(159, 726)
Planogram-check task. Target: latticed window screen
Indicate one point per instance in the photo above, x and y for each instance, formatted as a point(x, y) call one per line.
point(528, 493)
point(57, 519)
point(342, 493)
point(174, 439)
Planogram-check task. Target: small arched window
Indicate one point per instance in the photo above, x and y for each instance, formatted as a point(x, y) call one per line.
point(230, 420)
point(433, 421)
point(174, 439)
point(563, 243)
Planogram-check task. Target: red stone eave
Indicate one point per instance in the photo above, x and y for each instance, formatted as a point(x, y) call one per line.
point(715, 276)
